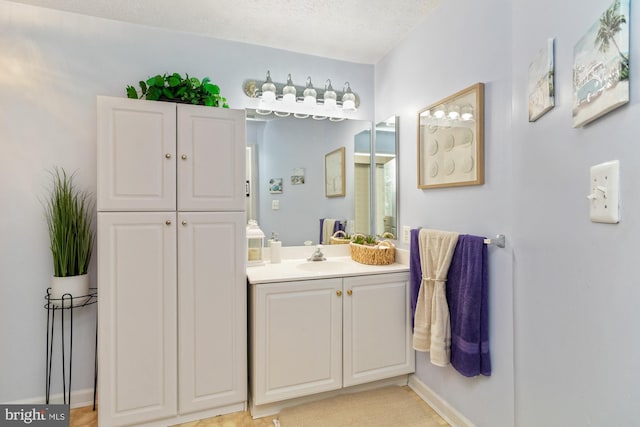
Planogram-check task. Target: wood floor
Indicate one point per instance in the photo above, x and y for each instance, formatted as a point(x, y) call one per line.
point(86, 417)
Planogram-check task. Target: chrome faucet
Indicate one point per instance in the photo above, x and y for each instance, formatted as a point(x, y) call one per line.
point(317, 255)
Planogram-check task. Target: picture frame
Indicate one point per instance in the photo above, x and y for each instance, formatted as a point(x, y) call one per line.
point(334, 177)
point(275, 186)
point(601, 66)
point(541, 87)
point(451, 140)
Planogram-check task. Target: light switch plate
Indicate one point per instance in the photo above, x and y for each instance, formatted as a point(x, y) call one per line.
point(275, 204)
point(605, 192)
point(406, 234)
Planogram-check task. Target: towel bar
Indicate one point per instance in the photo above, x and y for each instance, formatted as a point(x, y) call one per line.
point(499, 241)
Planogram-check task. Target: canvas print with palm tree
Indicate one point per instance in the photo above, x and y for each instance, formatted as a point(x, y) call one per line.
point(601, 66)
point(541, 89)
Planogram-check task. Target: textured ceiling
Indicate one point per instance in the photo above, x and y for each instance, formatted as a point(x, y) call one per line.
point(353, 30)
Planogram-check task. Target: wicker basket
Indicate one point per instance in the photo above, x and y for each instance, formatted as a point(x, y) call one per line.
point(339, 238)
point(383, 253)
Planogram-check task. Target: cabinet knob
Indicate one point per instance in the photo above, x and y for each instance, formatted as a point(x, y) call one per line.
point(349, 292)
point(168, 155)
point(339, 293)
point(184, 222)
point(168, 222)
point(183, 157)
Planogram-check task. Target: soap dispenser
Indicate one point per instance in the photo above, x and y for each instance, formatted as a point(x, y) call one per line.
point(274, 246)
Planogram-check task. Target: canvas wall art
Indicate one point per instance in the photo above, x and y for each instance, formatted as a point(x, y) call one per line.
point(601, 66)
point(541, 89)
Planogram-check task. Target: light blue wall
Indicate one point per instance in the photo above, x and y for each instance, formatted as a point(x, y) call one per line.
point(575, 282)
point(52, 67)
point(564, 292)
point(462, 43)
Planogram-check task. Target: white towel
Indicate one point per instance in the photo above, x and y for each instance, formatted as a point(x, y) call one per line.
point(432, 330)
point(327, 230)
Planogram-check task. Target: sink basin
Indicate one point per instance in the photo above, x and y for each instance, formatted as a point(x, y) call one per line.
point(325, 266)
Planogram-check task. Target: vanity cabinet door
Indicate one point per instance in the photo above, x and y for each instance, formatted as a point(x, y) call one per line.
point(377, 328)
point(297, 339)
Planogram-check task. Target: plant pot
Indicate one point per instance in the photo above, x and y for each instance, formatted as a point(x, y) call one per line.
point(76, 286)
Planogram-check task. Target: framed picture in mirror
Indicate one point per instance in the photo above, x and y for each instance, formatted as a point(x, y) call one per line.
point(451, 140)
point(334, 173)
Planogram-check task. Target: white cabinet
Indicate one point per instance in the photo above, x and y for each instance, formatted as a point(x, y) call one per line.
point(212, 307)
point(377, 328)
point(137, 317)
point(318, 335)
point(297, 339)
point(171, 262)
point(147, 148)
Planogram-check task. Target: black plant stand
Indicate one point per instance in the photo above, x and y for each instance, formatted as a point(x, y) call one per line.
point(68, 304)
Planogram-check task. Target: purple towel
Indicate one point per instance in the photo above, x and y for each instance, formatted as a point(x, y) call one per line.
point(339, 225)
point(415, 270)
point(467, 296)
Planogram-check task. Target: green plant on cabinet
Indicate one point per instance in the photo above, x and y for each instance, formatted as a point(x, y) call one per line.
point(175, 88)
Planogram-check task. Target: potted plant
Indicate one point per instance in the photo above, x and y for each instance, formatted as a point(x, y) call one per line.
point(69, 214)
point(175, 88)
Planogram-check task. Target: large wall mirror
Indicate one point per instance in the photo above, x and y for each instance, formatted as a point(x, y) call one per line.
point(292, 151)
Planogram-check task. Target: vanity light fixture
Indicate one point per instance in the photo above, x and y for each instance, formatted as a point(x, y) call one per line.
point(285, 99)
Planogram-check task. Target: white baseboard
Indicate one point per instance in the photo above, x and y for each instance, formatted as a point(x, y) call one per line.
point(441, 406)
point(79, 398)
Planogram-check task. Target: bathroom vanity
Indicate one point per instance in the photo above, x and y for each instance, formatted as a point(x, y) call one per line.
point(321, 328)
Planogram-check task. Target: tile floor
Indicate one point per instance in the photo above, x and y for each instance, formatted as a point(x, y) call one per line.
point(86, 417)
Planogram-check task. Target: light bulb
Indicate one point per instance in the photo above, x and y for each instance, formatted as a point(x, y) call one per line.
point(348, 98)
point(454, 112)
point(268, 89)
point(329, 95)
point(466, 113)
point(309, 93)
point(439, 113)
point(289, 92)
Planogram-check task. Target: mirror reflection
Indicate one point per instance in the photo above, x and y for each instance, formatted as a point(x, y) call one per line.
point(386, 178)
point(285, 174)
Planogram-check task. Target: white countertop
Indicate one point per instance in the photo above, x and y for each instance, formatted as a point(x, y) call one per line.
point(338, 265)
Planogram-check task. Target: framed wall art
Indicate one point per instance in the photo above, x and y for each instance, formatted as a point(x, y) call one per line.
point(451, 140)
point(275, 185)
point(601, 66)
point(334, 173)
point(540, 89)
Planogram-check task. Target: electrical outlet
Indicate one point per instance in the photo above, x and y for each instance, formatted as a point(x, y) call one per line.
point(406, 234)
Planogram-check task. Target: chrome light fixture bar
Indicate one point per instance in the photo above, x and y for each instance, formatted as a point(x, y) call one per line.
point(302, 101)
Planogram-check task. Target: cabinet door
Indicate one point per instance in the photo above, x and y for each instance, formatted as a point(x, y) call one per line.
point(297, 339)
point(212, 310)
point(137, 317)
point(211, 158)
point(136, 155)
point(377, 328)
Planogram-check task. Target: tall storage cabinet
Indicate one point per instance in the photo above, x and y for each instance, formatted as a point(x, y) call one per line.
point(171, 262)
